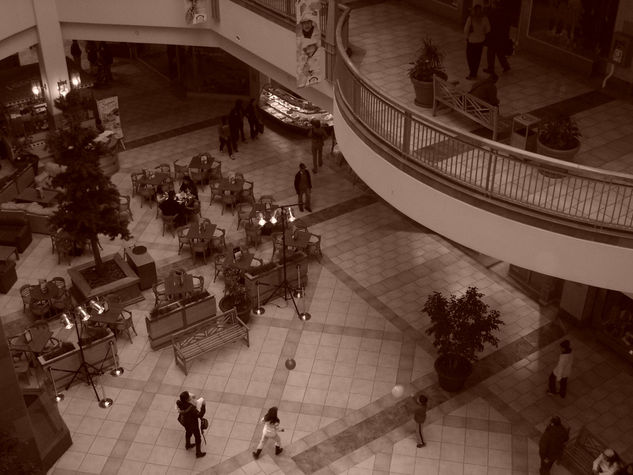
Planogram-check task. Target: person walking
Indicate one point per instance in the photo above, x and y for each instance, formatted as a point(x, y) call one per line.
point(236, 123)
point(190, 412)
point(562, 370)
point(238, 111)
point(271, 426)
point(498, 38)
point(75, 52)
point(476, 28)
point(303, 186)
point(224, 133)
point(417, 408)
point(318, 135)
point(551, 444)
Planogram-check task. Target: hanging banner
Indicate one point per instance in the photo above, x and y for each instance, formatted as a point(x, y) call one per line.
point(195, 12)
point(310, 52)
point(109, 114)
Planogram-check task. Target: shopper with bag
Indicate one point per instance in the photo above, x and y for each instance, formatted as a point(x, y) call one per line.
point(190, 411)
point(476, 28)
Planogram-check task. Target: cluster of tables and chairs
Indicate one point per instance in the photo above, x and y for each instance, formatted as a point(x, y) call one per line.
point(46, 298)
point(178, 284)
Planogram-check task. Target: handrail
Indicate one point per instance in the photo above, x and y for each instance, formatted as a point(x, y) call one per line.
point(583, 196)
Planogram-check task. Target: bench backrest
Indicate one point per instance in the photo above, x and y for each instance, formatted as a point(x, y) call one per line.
point(206, 329)
point(589, 442)
point(475, 108)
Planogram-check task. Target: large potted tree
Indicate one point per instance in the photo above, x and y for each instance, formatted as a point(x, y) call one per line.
point(235, 294)
point(89, 207)
point(460, 327)
point(429, 62)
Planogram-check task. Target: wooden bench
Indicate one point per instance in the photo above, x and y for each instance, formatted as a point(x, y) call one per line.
point(208, 336)
point(466, 104)
point(581, 451)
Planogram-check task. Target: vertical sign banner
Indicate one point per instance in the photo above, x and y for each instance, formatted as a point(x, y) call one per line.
point(109, 114)
point(195, 12)
point(310, 52)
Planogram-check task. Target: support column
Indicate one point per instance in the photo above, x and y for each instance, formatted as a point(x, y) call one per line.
point(52, 60)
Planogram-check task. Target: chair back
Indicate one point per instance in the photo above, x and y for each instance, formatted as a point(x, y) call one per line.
point(164, 168)
point(266, 199)
point(180, 171)
point(135, 181)
point(124, 203)
point(25, 293)
point(60, 282)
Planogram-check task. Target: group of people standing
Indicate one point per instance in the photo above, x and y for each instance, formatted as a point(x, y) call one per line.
point(99, 56)
point(488, 27)
point(231, 130)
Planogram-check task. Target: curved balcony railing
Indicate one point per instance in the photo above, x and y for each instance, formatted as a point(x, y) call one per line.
point(532, 184)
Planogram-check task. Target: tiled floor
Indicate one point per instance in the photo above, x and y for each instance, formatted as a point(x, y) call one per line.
point(366, 334)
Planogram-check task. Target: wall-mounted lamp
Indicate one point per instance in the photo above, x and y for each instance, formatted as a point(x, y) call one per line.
point(75, 80)
point(36, 89)
point(62, 87)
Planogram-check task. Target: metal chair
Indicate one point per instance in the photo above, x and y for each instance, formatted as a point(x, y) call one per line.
point(253, 234)
point(124, 324)
point(182, 232)
point(218, 263)
point(277, 243)
point(160, 293)
point(25, 293)
point(40, 308)
point(198, 246)
point(198, 283)
point(314, 246)
point(180, 171)
point(169, 223)
point(299, 225)
point(168, 184)
point(164, 168)
point(218, 241)
point(216, 191)
point(267, 199)
point(124, 205)
point(229, 199)
point(197, 176)
point(194, 209)
point(63, 301)
point(247, 195)
point(147, 193)
point(244, 214)
point(135, 181)
point(215, 173)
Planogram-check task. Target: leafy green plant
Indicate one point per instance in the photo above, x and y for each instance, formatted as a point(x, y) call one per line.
point(461, 325)
point(430, 61)
point(234, 287)
point(561, 133)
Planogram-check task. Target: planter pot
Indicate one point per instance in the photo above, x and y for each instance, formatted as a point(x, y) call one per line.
point(243, 311)
point(563, 155)
point(452, 379)
point(423, 92)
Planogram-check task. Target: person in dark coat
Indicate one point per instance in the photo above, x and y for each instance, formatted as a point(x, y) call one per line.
point(236, 123)
point(224, 133)
point(75, 52)
point(417, 408)
point(551, 445)
point(303, 186)
point(498, 38)
point(105, 62)
point(253, 121)
point(238, 112)
point(318, 135)
point(190, 416)
point(92, 55)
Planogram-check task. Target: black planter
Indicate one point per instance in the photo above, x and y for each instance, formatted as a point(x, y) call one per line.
point(243, 311)
point(452, 379)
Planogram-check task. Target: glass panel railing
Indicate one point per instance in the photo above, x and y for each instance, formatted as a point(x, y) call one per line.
point(525, 181)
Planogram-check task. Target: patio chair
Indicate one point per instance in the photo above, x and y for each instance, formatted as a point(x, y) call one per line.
point(160, 294)
point(164, 168)
point(267, 199)
point(314, 246)
point(198, 246)
point(246, 195)
point(124, 205)
point(218, 263)
point(197, 176)
point(40, 308)
point(218, 241)
point(135, 181)
point(277, 238)
point(169, 223)
point(180, 171)
point(215, 173)
point(182, 232)
point(216, 191)
point(253, 234)
point(147, 193)
point(198, 283)
point(244, 214)
point(229, 199)
point(124, 324)
point(25, 293)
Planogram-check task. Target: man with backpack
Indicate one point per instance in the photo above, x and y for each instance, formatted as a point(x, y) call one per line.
point(189, 412)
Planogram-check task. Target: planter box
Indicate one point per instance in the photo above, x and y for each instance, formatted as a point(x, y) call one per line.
point(270, 279)
point(127, 289)
point(94, 353)
point(177, 316)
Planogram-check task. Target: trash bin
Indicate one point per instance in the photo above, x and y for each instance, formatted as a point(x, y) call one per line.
point(524, 132)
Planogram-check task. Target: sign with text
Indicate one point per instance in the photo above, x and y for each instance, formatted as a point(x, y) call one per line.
point(310, 51)
point(109, 114)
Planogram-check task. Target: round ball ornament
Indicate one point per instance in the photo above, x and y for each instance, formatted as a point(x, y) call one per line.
point(397, 391)
point(291, 364)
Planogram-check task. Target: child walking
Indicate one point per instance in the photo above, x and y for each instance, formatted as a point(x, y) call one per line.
point(271, 426)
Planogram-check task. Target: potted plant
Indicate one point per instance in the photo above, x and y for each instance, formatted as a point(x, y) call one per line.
point(558, 138)
point(460, 327)
point(235, 294)
point(428, 63)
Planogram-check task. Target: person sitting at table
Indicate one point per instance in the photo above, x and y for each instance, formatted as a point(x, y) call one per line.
point(188, 186)
point(160, 195)
point(171, 207)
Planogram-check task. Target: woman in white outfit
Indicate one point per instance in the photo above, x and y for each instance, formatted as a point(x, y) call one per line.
point(562, 370)
point(271, 426)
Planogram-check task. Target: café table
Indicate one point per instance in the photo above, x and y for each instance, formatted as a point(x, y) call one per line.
point(198, 231)
point(154, 179)
point(231, 186)
point(178, 285)
point(243, 263)
point(51, 292)
point(198, 163)
point(39, 338)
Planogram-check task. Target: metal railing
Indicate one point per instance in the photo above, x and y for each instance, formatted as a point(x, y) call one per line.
point(526, 182)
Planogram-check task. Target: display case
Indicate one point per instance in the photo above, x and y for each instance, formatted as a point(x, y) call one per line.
point(291, 110)
point(614, 322)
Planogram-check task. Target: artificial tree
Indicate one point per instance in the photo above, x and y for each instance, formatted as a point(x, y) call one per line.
point(460, 327)
point(88, 201)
